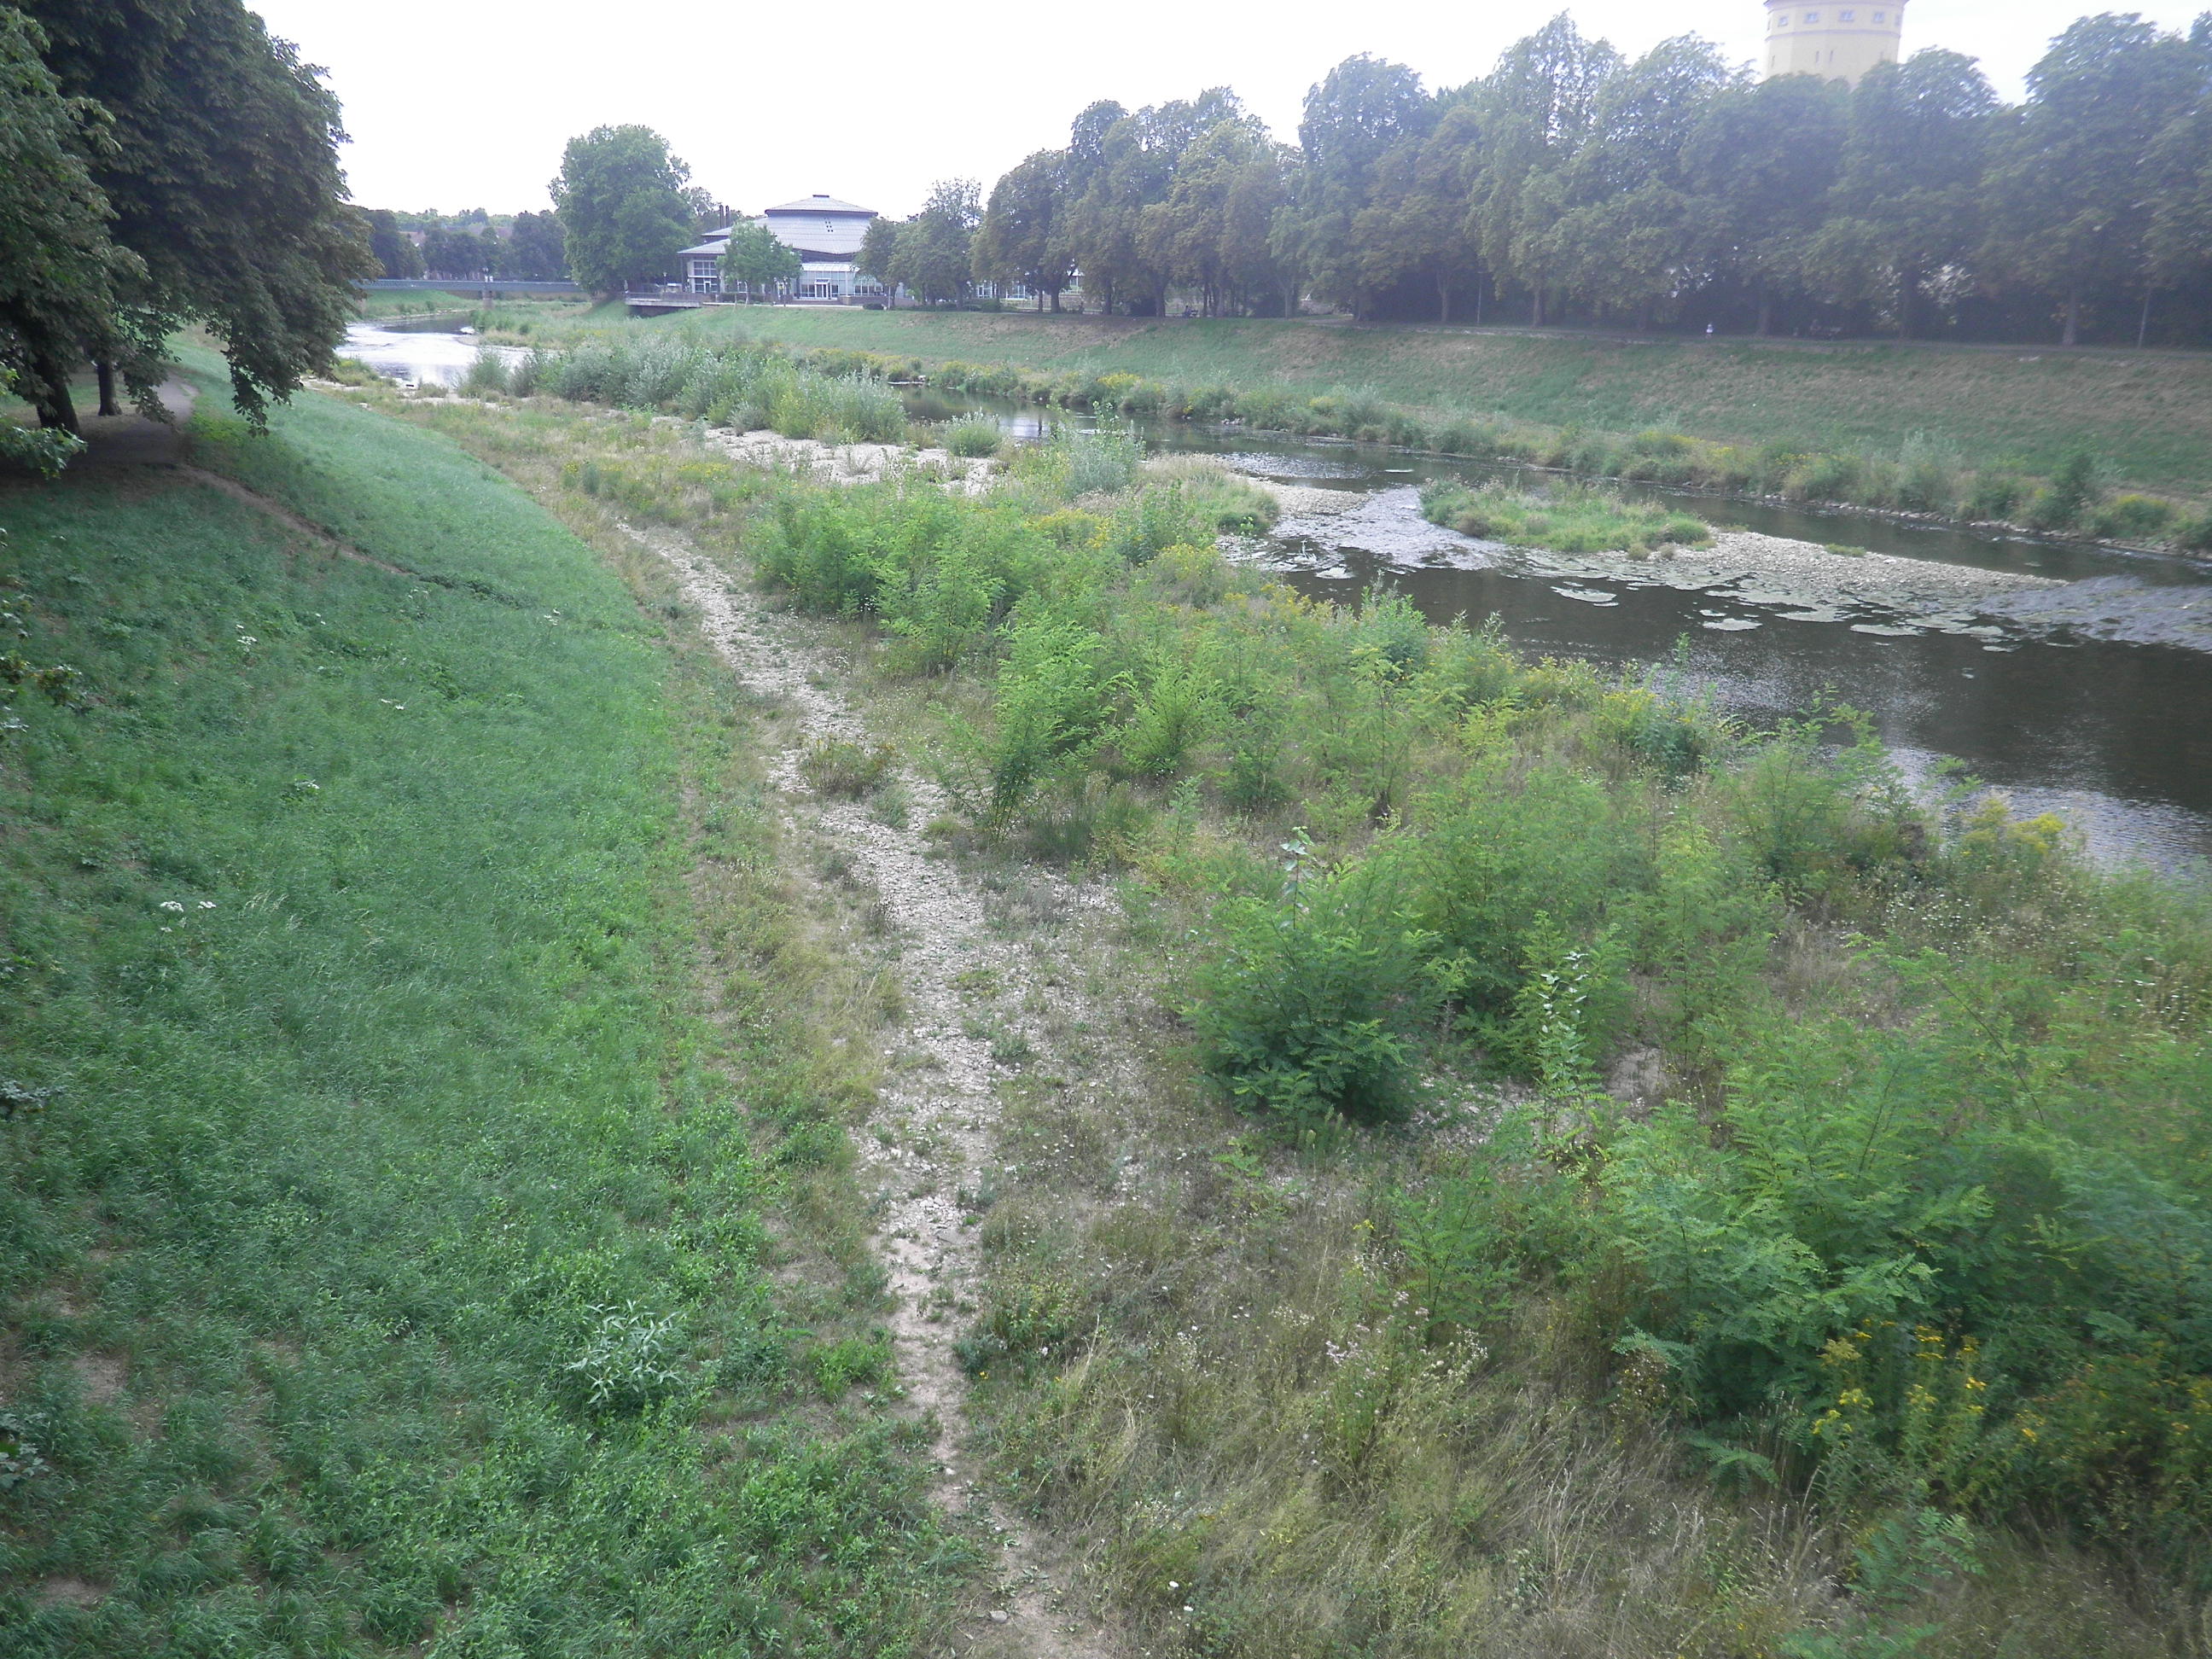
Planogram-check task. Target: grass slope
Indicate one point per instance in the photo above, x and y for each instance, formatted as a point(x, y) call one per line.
point(393, 1262)
point(2147, 417)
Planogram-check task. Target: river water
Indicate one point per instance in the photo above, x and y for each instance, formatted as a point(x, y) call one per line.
point(2115, 738)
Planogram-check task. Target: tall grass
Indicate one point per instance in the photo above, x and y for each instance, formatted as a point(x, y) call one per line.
point(1963, 455)
point(1565, 520)
point(740, 387)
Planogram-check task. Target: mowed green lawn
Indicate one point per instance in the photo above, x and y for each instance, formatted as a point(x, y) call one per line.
point(388, 1266)
point(2148, 418)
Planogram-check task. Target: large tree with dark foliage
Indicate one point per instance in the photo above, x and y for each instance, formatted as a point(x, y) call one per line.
point(401, 259)
point(534, 253)
point(60, 277)
point(220, 166)
point(1672, 192)
point(625, 215)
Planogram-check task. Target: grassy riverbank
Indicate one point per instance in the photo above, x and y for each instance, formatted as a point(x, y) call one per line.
point(1534, 1169)
point(2148, 418)
point(428, 1216)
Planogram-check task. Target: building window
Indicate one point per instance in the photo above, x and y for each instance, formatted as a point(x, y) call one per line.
point(1878, 17)
point(1811, 16)
point(1846, 16)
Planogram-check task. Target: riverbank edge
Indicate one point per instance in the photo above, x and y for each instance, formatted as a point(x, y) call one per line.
point(1834, 478)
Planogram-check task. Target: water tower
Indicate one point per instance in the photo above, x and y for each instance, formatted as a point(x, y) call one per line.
point(1839, 43)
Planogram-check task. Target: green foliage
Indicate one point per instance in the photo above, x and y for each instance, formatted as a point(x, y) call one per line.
point(1306, 1012)
point(756, 257)
point(1565, 521)
point(974, 437)
point(219, 162)
point(1052, 703)
point(60, 275)
point(836, 766)
point(2074, 488)
point(620, 198)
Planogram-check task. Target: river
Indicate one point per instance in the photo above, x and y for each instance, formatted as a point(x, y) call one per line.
point(2115, 738)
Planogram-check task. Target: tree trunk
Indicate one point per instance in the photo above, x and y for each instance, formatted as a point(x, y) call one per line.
point(1055, 302)
point(2073, 316)
point(105, 370)
point(1443, 298)
point(56, 409)
point(1481, 282)
point(1766, 312)
point(1536, 308)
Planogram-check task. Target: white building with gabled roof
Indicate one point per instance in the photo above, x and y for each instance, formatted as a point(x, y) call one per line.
point(824, 231)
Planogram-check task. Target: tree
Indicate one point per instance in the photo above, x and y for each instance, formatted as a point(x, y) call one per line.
point(534, 252)
point(223, 175)
point(1416, 228)
point(1763, 160)
point(448, 251)
point(756, 257)
point(620, 198)
point(1632, 236)
point(932, 255)
point(1211, 232)
point(2068, 212)
point(1907, 198)
point(399, 258)
point(59, 273)
point(878, 249)
point(1024, 235)
point(1540, 103)
point(1359, 112)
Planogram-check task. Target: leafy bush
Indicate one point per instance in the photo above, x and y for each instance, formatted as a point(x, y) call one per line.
point(1995, 495)
point(1306, 1012)
point(625, 1364)
point(2133, 518)
point(2073, 489)
point(974, 437)
point(1052, 703)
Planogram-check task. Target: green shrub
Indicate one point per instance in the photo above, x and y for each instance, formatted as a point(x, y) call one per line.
point(974, 437)
point(1052, 703)
point(2073, 489)
point(2133, 519)
point(1995, 495)
point(1306, 1013)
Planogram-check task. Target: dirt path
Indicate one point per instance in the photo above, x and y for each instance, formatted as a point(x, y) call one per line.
point(932, 1134)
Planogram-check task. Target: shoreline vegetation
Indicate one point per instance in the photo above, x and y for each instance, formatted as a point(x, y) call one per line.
point(1923, 476)
point(1568, 1092)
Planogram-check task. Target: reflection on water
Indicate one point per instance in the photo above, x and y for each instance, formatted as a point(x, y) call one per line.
point(2116, 739)
point(416, 357)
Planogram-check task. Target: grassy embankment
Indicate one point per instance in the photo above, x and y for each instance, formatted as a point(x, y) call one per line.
point(1986, 435)
point(1371, 1320)
point(427, 1214)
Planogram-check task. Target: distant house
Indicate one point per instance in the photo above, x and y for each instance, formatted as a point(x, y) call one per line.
point(825, 232)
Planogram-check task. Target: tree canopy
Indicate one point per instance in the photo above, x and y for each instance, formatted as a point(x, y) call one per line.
point(756, 257)
point(625, 215)
point(216, 158)
point(932, 253)
point(1574, 184)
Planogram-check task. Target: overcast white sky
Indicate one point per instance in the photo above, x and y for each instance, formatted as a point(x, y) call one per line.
point(455, 103)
